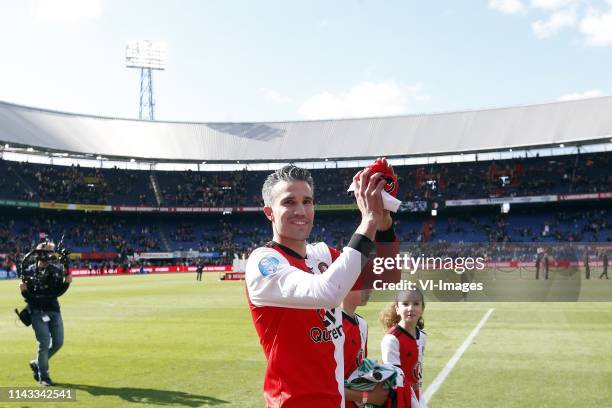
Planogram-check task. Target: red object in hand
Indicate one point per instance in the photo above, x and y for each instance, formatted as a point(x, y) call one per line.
point(391, 185)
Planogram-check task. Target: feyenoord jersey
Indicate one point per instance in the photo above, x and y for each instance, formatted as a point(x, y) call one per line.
point(294, 304)
point(401, 349)
point(355, 342)
point(355, 345)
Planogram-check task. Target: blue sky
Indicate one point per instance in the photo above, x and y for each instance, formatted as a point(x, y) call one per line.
point(280, 60)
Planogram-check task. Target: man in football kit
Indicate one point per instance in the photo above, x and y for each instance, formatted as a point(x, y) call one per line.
point(294, 289)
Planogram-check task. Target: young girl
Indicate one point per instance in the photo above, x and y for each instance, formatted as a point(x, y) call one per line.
point(404, 343)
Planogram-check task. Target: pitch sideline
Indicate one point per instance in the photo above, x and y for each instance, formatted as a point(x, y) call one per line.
point(437, 382)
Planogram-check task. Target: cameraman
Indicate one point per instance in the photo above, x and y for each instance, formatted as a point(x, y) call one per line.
point(43, 282)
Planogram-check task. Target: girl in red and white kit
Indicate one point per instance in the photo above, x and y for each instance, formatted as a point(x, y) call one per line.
point(404, 342)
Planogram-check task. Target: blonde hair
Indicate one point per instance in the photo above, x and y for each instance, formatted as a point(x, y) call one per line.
point(389, 317)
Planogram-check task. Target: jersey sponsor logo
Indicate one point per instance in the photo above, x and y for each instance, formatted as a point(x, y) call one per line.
point(319, 335)
point(323, 267)
point(268, 265)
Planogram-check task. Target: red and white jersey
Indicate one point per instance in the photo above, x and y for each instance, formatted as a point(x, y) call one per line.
point(355, 345)
point(355, 342)
point(296, 313)
point(401, 349)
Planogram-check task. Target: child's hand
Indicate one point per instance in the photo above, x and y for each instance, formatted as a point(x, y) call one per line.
point(379, 395)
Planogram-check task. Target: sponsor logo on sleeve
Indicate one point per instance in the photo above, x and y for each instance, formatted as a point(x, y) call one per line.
point(268, 265)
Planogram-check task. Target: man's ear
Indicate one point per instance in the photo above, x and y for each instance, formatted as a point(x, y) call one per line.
point(269, 214)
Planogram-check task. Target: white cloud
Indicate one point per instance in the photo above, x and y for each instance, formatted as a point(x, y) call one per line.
point(66, 11)
point(275, 96)
point(362, 100)
point(593, 93)
point(551, 4)
point(507, 6)
point(597, 27)
point(556, 22)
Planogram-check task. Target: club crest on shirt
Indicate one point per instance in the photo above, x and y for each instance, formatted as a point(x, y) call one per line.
point(322, 267)
point(359, 358)
point(390, 186)
point(268, 265)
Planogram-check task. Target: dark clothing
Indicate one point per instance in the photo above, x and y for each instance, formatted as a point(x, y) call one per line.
point(587, 267)
point(49, 331)
point(43, 286)
point(42, 293)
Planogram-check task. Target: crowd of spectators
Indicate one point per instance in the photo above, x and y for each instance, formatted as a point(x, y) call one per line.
point(433, 182)
point(73, 184)
point(510, 178)
point(193, 189)
point(222, 238)
point(552, 226)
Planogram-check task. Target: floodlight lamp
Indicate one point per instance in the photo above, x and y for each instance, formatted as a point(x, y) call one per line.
point(146, 54)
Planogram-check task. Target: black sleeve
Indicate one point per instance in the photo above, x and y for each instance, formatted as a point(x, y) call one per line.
point(362, 244)
point(63, 288)
point(386, 236)
point(25, 294)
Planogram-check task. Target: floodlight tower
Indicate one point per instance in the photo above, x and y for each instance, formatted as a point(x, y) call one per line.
point(147, 56)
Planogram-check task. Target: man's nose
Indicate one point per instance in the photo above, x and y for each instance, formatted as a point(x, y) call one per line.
point(299, 209)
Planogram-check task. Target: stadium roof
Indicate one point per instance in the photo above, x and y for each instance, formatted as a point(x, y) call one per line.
point(578, 121)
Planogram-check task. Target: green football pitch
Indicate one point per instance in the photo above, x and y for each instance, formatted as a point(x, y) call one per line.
point(169, 340)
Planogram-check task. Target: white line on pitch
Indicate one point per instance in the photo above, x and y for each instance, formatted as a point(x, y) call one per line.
point(437, 382)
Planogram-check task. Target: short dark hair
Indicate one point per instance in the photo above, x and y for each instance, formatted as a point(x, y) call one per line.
point(286, 173)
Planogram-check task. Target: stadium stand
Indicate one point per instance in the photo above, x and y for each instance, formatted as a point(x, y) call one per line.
point(509, 178)
point(111, 215)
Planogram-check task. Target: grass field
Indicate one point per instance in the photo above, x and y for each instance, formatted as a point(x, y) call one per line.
point(169, 340)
